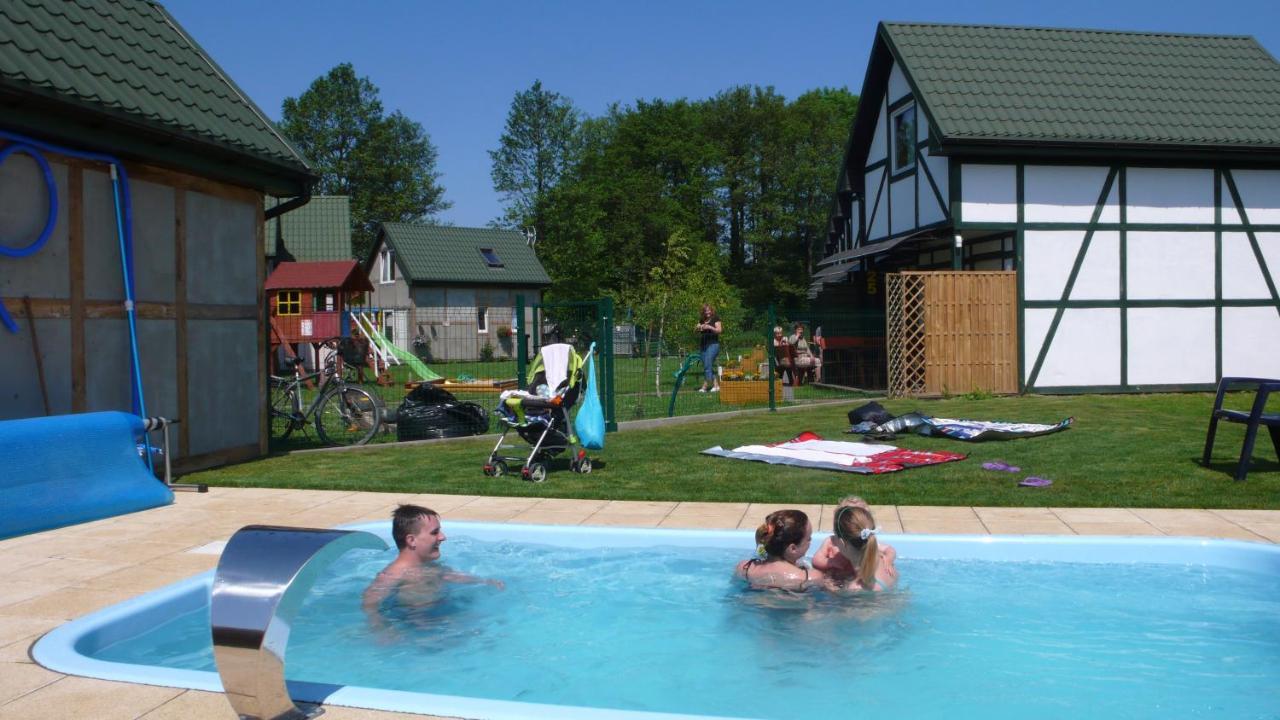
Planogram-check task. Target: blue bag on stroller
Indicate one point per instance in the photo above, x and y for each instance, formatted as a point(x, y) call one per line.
point(589, 422)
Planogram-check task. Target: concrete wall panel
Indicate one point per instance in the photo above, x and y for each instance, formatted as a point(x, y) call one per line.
point(1242, 277)
point(153, 241)
point(1085, 349)
point(1170, 195)
point(1048, 256)
point(24, 210)
point(1251, 343)
point(1171, 346)
point(988, 193)
point(102, 274)
point(222, 251)
point(19, 380)
point(224, 399)
point(1057, 193)
point(107, 374)
point(1170, 265)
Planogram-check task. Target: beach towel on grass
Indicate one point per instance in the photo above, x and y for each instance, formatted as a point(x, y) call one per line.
point(971, 430)
point(809, 450)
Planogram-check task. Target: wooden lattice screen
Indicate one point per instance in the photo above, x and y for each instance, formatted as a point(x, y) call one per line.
point(952, 332)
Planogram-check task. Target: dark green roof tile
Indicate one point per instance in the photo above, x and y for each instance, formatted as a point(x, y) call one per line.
point(443, 254)
point(1091, 86)
point(319, 230)
point(131, 58)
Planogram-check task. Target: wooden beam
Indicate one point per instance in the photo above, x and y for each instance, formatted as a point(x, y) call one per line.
point(60, 309)
point(264, 425)
point(75, 262)
point(216, 458)
point(180, 318)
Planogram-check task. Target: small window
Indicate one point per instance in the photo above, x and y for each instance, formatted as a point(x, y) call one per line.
point(386, 262)
point(482, 319)
point(289, 302)
point(322, 302)
point(904, 138)
point(491, 257)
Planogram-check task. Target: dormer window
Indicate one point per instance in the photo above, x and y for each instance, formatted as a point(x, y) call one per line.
point(903, 124)
point(490, 257)
point(386, 266)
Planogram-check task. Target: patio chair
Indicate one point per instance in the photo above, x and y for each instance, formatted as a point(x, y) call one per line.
point(1251, 420)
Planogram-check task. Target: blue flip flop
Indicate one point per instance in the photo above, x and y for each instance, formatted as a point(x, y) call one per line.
point(1034, 481)
point(1000, 466)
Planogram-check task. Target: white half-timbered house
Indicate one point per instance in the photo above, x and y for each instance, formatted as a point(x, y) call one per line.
point(1131, 179)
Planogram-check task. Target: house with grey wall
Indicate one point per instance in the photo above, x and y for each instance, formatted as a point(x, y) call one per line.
point(452, 288)
point(199, 157)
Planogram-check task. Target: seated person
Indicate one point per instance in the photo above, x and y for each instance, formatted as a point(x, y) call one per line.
point(782, 354)
point(782, 540)
point(805, 360)
point(852, 558)
point(413, 578)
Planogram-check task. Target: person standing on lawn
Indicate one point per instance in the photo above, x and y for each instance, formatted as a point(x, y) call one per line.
point(710, 327)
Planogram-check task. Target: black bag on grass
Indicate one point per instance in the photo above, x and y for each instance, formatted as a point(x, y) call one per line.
point(430, 412)
point(872, 412)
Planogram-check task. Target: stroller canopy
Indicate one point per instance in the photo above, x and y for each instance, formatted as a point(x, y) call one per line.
point(558, 363)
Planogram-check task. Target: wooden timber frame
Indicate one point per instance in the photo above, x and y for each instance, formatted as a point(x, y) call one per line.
point(76, 308)
point(952, 332)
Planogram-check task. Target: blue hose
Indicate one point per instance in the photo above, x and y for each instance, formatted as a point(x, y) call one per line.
point(124, 231)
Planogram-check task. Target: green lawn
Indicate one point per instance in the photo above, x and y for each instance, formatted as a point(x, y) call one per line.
point(1124, 451)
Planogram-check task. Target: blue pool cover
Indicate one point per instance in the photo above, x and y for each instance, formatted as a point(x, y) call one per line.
point(69, 469)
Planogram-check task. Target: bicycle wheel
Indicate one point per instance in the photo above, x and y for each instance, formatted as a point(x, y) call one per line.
point(281, 410)
point(348, 416)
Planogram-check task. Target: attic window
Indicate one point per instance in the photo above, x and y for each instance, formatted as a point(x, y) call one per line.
point(903, 124)
point(490, 257)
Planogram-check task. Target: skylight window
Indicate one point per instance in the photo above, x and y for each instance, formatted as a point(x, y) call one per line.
point(491, 257)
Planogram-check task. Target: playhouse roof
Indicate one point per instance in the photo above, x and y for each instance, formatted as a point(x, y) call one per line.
point(124, 77)
point(1049, 86)
point(345, 275)
point(319, 230)
point(438, 254)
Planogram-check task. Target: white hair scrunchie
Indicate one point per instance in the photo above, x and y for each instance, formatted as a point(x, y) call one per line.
point(867, 533)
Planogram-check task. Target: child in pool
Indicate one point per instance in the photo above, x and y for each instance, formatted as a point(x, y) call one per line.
point(782, 541)
point(853, 552)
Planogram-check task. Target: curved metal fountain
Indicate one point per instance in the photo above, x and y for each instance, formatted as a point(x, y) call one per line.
point(262, 577)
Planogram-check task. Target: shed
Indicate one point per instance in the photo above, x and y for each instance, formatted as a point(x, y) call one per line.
point(88, 85)
point(1131, 179)
point(453, 287)
point(307, 301)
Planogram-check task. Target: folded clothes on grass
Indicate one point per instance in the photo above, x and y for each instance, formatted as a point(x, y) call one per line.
point(972, 430)
point(809, 450)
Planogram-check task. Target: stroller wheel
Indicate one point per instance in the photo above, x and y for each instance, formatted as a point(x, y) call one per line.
point(488, 470)
point(499, 468)
point(536, 472)
point(583, 466)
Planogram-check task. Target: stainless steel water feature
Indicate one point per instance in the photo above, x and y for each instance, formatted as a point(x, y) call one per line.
point(262, 577)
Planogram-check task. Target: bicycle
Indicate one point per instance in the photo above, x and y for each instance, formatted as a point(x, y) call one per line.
point(343, 414)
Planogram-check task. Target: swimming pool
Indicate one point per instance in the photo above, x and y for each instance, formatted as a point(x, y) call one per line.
point(606, 622)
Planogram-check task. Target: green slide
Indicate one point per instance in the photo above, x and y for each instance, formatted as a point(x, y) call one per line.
point(419, 368)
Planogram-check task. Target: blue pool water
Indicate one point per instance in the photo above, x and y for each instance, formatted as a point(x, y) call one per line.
point(661, 628)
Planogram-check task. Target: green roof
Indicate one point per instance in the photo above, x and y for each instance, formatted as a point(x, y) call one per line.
point(1045, 85)
point(319, 230)
point(128, 63)
point(431, 254)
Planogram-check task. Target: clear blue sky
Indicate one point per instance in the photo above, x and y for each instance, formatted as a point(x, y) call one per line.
point(454, 66)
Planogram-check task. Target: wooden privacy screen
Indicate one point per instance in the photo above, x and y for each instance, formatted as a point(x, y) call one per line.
point(952, 332)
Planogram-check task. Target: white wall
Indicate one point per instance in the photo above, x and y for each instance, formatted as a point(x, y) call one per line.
point(988, 193)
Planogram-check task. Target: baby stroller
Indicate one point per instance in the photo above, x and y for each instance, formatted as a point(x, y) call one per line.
point(540, 415)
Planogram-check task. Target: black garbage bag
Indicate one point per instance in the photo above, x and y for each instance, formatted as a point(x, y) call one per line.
point(872, 412)
point(430, 412)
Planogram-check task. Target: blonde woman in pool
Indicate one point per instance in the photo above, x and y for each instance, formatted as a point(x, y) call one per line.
point(853, 558)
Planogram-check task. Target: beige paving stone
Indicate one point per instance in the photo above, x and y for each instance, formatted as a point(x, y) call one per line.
point(18, 590)
point(128, 551)
point(18, 628)
point(18, 652)
point(1095, 515)
point(541, 516)
point(137, 579)
point(1137, 527)
point(945, 527)
point(67, 603)
point(76, 697)
point(195, 704)
point(1028, 527)
point(440, 503)
point(568, 505)
point(702, 522)
point(184, 563)
point(18, 679)
point(1268, 530)
point(1163, 516)
point(638, 507)
point(935, 520)
point(1244, 517)
point(64, 571)
point(645, 520)
point(711, 508)
point(482, 514)
point(337, 712)
point(514, 504)
point(757, 512)
point(1005, 514)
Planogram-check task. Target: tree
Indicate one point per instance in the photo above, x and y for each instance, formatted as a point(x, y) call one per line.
point(535, 150)
point(385, 163)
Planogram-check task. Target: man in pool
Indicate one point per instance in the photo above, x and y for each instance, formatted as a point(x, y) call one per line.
point(413, 577)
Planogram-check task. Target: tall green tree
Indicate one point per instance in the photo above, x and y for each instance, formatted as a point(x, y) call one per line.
point(385, 163)
point(536, 149)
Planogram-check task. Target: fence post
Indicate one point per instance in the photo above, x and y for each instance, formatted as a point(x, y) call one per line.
point(768, 351)
point(606, 307)
point(522, 347)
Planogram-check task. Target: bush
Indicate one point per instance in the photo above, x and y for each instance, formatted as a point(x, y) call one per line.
point(486, 352)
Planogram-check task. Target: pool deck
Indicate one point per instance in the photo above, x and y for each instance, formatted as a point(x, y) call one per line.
point(55, 576)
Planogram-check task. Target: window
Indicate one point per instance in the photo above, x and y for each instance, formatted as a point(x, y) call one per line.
point(903, 123)
point(491, 257)
point(289, 302)
point(482, 319)
point(323, 302)
point(387, 266)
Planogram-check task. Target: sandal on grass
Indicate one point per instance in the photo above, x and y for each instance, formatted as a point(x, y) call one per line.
point(1034, 481)
point(1000, 466)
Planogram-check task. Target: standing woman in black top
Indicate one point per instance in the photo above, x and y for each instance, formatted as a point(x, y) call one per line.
point(710, 327)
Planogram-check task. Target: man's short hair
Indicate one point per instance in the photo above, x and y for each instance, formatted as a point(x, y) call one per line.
point(405, 521)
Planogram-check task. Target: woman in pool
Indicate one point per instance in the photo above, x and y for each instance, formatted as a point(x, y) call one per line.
point(852, 558)
point(781, 543)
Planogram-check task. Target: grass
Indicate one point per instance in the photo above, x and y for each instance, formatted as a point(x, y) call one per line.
point(1124, 451)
